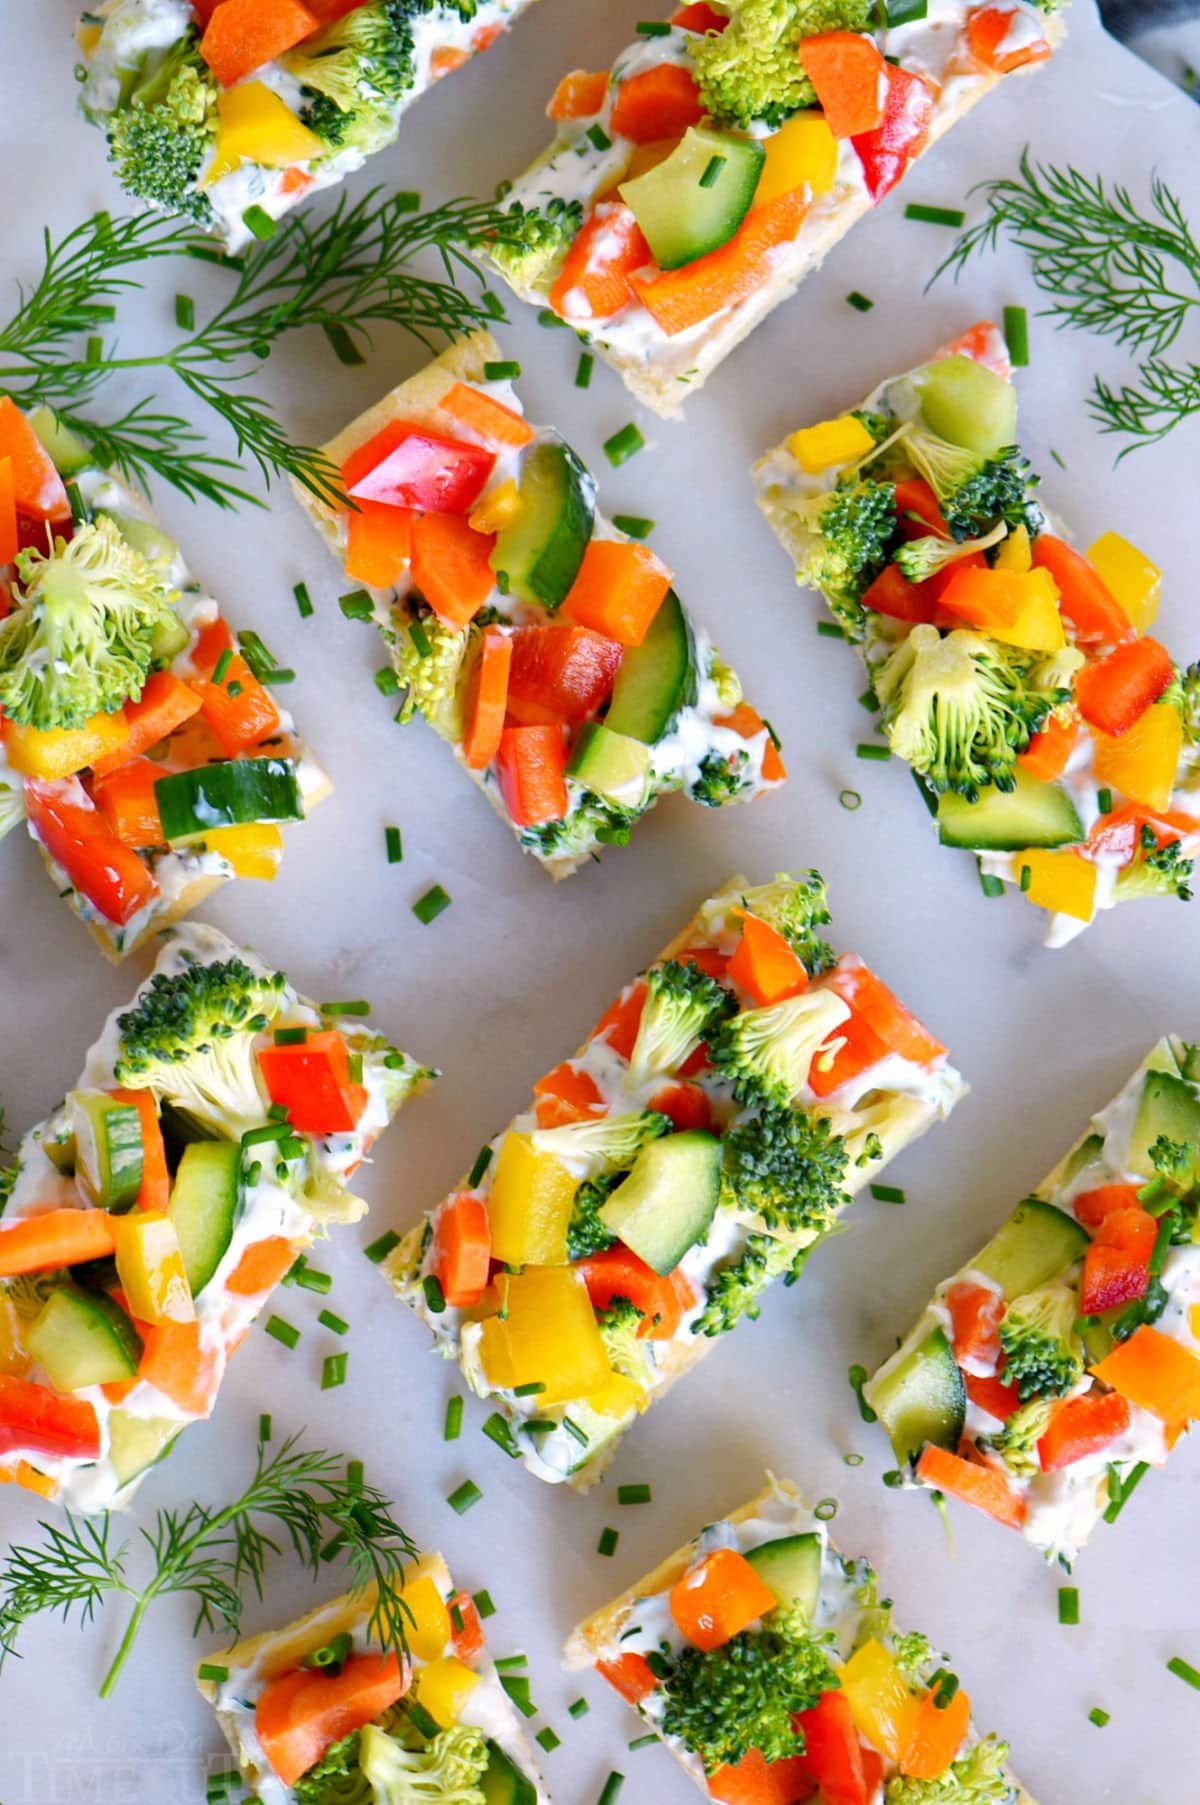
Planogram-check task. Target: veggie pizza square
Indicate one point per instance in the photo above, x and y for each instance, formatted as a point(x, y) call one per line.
point(704, 1139)
point(1046, 1377)
point(1049, 732)
point(693, 187)
point(140, 742)
point(233, 111)
point(769, 1666)
point(212, 1136)
point(542, 641)
point(320, 1712)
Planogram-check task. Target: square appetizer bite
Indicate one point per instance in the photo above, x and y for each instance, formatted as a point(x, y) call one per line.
point(211, 1138)
point(1063, 1361)
point(769, 1666)
point(321, 1712)
point(233, 111)
point(1049, 733)
point(692, 187)
point(706, 1136)
point(542, 642)
point(139, 742)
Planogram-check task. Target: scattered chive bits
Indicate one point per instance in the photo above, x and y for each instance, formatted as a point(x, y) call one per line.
point(712, 171)
point(435, 902)
point(906, 12)
point(888, 1194)
point(608, 1542)
point(826, 1510)
point(185, 312)
point(989, 883)
point(1016, 336)
point(546, 1739)
point(1104, 801)
point(312, 1279)
point(548, 318)
point(336, 1324)
point(505, 370)
point(852, 1460)
point(340, 342)
point(829, 629)
point(420, 640)
point(483, 1160)
point(850, 799)
point(378, 1251)
point(498, 1431)
point(435, 1297)
point(623, 445)
point(454, 1418)
point(304, 606)
point(635, 526)
point(599, 137)
point(386, 681)
point(1099, 1716)
point(1026, 878)
point(610, 1789)
point(861, 303)
point(264, 1427)
point(484, 1605)
point(1183, 1670)
point(633, 1494)
point(857, 1376)
point(1068, 1605)
point(464, 1497)
point(347, 1006)
point(393, 845)
point(583, 370)
point(643, 1742)
point(333, 1371)
point(653, 28)
point(258, 222)
point(865, 749)
point(209, 1670)
point(935, 216)
point(282, 1331)
point(221, 666)
point(356, 604)
point(578, 1707)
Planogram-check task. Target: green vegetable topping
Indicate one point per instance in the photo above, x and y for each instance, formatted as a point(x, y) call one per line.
point(160, 135)
point(767, 1053)
point(1043, 1354)
point(786, 1166)
point(683, 1005)
point(725, 1701)
point(976, 1778)
point(849, 534)
point(735, 1289)
point(751, 71)
point(536, 241)
point(448, 1771)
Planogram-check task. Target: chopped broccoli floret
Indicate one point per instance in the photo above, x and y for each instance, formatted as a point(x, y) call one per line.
point(1187, 699)
point(620, 1331)
point(448, 1771)
point(534, 241)
point(945, 467)
point(851, 530)
point(959, 709)
point(788, 1167)
point(354, 73)
point(999, 491)
point(78, 642)
point(609, 1142)
point(976, 1778)
point(1017, 1442)
point(428, 664)
point(751, 71)
point(159, 137)
point(337, 1778)
point(744, 1695)
point(721, 778)
point(1155, 870)
point(912, 1652)
point(12, 801)
point(795, 907)
point(592, 822)
point(923, 558)
point(1043, 1354)
point(190, 1038)
point(586, 1234)
point(683, 1005)
point(726, 681)
point(767, 1052)
point(880, 426)
point(397, 1075)
point(735, 1290)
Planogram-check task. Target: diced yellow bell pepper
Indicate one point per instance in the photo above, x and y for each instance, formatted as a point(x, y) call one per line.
point(1062, 882)
point(443, 1689)
point(817, 448)
point(529, 1205)
point(255, 126)
point(1142, 763)
point(1038, 626)
point(882, 1704)
point(1015, 552)
point(30, 1480)
point(801, 154)
point(546, 1335)
point(498, 508)
point(254, 850)
point(87, 36)
point(1194, 1319)
point(429, 1626)
point(150, 1268)
point(618, 1395)
point(13, 1359)
point(53, 752)
point(1133, 579)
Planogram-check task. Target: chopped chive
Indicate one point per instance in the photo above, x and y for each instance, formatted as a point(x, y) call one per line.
point(456, 1619)
point(1026, 877)
point(503, 370)
point(279, 676)
point(599, 137)
point(944, 1686)
point(1016, 336)
point(342, 345)
point(235, 690)
point(653, 28)
point(454, 1417)
point(529, 1391)
point(1099, 1716)
point(386, 681)
point(547, 317)
point(572, 1428)
point(608, 1542)
point(623, 445)
point(209, 1670)
point(503, 581)
point(221, 666)
point(989, 883)
point(422, 1722)
point(80, 512)
point(333, 1371)
point(633, 1494)
point(346, 1006)
point(1068, 1605)
point(290, 1037)
point(1104, 801)
point(611, 1788)
point(888, 1194)
point(282, 1331)
point(185, 312)
point(333, 1546)
point(483, 1160)
point(893, 1479)
point(826, 1510)
point(578, 1707)
point(539, 1425)
point(547, 1740)
point(858, 1379)
point(258, 222)
point(511, 1663)
point(1057, 459)
point(484, 1605)
point(337, 1324)
point(517, 1688)
point(866, 750)
point(934, 216)
point(1183, 1670)
point(860, 303)
point(427, 908)
point(394, 845)
point(94, 350)
point(264, 1426)
point(313, 1279)
point(378, 1251)
point(868, 700)
point(420, 639)
point(583, 370)
point(435, 1297)
point(643, 1742)
point(712, 170)
point(303, 600)
point(635, 525)
point(927, 795)
point(852, 1460)
point(906, 12)
point(497, 1430)
point(356, 604)
point(464, 1497)
point(829, 629)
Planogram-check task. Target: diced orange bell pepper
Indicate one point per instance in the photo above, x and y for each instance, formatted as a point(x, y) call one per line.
point(1048, 753)
point(656, 103)
point(102, 868)
point(262, 1266)
point(174, 1361)
point(1083, 598)
point(718, 1597)
point(1081, 1427)
point(461, 1251)
point(594, 282)
point(764, 965)
point(937, 1735)
point(1091, 1207)
point(10, 537)
point(1114, 692)
point(487, 699)
point(299, 1716)
point(39, 492)
point(755, 1781)
point(620, 1022)
point(685, 1106)
point(879, 1024)
point(630, 1675)
point(451, 567)
point(983, 1486)
point(127, 801)
point(567, 1094)
point(579, 94)
point(465, 1627)
point(239, 711)
point(483, 414)
point(681, 298)
point(987, 29)
point(747, 721)
point(531, 767)
point(845, 68)
point(619, 589)
point(311, 1080)
point(378, 543)
point(243, 35)
point(1155, 1372)
point(164, 704)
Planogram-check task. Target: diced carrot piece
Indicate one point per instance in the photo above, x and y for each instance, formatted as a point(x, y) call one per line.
point(987, 29)
point(128, 803)
point(594, 282)
point(764, 965)
point(462, 1249)
point(1091, 1207)
point(450, 566)
point(1048, 752)
point(749, 723)
point(657, 103)
point(262, 1266)
point(39, 493)
point(1080, 1427)
point(55, 1238)
point(300, 1715)
point(755, 1781)
point(175, 1363)
point(992, 1395)
point(446, 58)
point(242, 35)
point(733, 272)
point(981, 596)
point(686, 1106)
point(983, 1486)
point(1083, 597)
point(483, 414)
point(487, 698)
point(40, 1484)
point(567, 1094)
point(579, 94)
point(631, 1675)
point(936, 1737)
point(619, 589)
point(620, 1022)
point(238, 709)
point(10, 537)
point(164, 704)
point(531, 768)
point(719, 1597)
point(975, 1313)
point(845, 68)
point(1114, 692)
point(154, 1193)
point(295, 181)
point(378, 543)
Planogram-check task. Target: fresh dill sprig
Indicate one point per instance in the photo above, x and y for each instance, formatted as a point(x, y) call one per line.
point(343, 273)
point(298, 1497)
point(1106, 266)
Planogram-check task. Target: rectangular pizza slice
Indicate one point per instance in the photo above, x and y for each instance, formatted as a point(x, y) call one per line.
point(767, 1663)
point(706, 1136)
point(1049, 732)
point(140, 742)
point(234, 111)
point(1056, 1367)
point(212, 1135)
point(545, 644)
point(320, 1712)
point(693, 186)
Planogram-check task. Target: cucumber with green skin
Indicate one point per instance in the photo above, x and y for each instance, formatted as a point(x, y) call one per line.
point(1168, 1108)
point(205, 1199)
point(1035, 1245)
point(503, 1783)
point(108, 1148)
point(791, 1567)
point(668, 1201)
point(138, 1442)
point(541, 550)
point(83, 1338)
point(1032, 814)
point(612, 765)
point(696, 198)
point(657, 679)
point(922, 1399)
point(234, 792)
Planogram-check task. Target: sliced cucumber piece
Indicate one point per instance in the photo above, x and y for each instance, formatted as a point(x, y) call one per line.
point(921, 1399)
point(154, 545)
point(231, 793)
point(696, 198)
point(969, 405)
point(541, 550)
point(168, 637)
point(503, 1783)
point(791, 1566)
point(83, 1338)
point(137, 1442)
point(1080, 1158)
point(108, 1148)
point(611, 765)
point(1168, 1106)
point(68, 452)
point(657, 678)
point(668, 1201)
point(204, 1206)
point(1032, 814)
point(1034, 1246)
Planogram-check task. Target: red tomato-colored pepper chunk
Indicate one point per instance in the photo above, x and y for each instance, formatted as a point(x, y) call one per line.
point(1082, 1426)
point(100, 866)
point(975, 1313)
point(410, 466)
point(531, 768)
point(311, 1080)
point(886, 152)
point(35, 1420)
point(1116, 1267)
point(619, 1273)
point(631, 1675)
point(560, 673)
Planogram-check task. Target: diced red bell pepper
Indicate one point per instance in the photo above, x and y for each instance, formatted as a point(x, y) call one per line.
point(127, 800)
point(975, 1314)
point(531, 769)
point(918, 512)
point(565, 1095)
point(1091, 1207)
point(461, 1252)
point(617, 1272)
point(39, 492)
point(1114, 692)
point(102, 868)
point(1084, 598)
point(468, 1640)
point(686, 1106)
point(656, 103)
point(1082, 1426)
point(412, 467)
point(713, 963)
point(699, 17)
point(984, 344)
point(832, 1751)
point(10, 532)
point(631, 1675)
point(901, 136)
point(164, 704)
point(1116, 1267)
point(311, 1080)
point(756, 1781)
point(560, 673)
point(992, 1395)
point(987, 29)
point(878, 1024)
point(620, 1022)
point(240, 712)
point(35, 1420)
point(892, 594)
point(594, 282)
